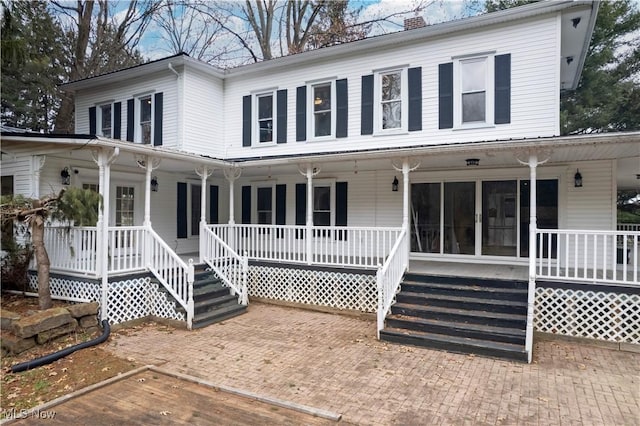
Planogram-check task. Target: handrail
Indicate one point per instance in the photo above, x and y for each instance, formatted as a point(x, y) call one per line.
point(172, 272)
point(389, 277)
point(230, 267)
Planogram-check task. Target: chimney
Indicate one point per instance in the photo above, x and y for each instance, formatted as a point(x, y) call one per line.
point(413, 23)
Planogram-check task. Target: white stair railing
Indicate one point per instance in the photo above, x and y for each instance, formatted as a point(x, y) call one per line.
point(389, 277)
point(171, 271)
point(230, 267)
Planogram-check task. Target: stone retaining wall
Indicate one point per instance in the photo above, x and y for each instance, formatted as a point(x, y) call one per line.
point(20, 333)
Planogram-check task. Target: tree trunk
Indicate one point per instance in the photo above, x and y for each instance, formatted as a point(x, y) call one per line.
point(42, 259)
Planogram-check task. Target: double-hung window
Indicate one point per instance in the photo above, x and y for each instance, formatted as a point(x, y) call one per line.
point(323, 110)
point(106, 120)
point(473, 84)
point(145, 125)
point(322, 205)
point(391, 100)
point(266, 123)
point(265, 205)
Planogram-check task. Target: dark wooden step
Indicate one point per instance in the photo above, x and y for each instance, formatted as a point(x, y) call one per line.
point(212, 317)
point(496, 319)
point(461, 290)
point(452, 328)
point(463, 302)
point(455, 344)
point(467, 281)
point(209, 291)
point(214, 303)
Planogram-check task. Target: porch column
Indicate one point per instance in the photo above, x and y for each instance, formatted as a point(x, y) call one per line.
point(310, 174)
point(38, 163)
point(405, 202)
point(533, 225)
point(105, 164)
point(231, 174)
point(149, 164)
point(204, 172)
point(100, 161)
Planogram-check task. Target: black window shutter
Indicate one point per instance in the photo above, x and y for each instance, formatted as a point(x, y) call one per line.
point(301, 206)
point(301, 113)
point(281, 204)
point(341, 208)
point(157, 120)
point(92, 120)
point(445, 95)
point(181, 212)
point(502, 89)
point(117, 120)
point(281, 115)
point(213, 204)
point(246, 120)
point(246, 204)
point(415, 98)
point(130, 119)
point(366, 119)
point(342, 108)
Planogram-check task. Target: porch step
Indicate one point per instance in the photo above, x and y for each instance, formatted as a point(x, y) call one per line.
point(458, 314)
point(455, 344)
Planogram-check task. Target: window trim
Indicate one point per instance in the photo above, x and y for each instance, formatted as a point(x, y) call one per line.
point(255, 114)
point(138, 116)
point(489, 119)
point(311, 111)
point(99, 118)
point(404, 99)
point(331, 184)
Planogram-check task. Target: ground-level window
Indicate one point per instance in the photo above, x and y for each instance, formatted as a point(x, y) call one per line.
point(196, 203)
point(322, 205)
point(124, 205)
point(91, 186)
point(265, 205)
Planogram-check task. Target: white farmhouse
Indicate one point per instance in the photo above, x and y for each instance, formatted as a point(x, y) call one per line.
point(419, 175)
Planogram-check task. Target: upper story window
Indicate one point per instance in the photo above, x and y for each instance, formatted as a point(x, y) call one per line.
point(323, 101)
point(106, 120)
point(391, 100)
point(473, 83)
point(145, 127)
point(265, 117)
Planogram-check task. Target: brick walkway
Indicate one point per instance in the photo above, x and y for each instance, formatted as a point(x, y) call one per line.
point(334, 362)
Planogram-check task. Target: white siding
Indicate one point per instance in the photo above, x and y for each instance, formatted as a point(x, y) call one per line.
point(533, 46)
point(21, 170)
point(594, 205)
point(165, 82)
point(203, 114)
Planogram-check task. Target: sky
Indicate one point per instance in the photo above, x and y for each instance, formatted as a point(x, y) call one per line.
point(154, 45)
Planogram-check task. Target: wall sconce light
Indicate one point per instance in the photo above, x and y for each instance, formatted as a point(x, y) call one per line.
point(575, 22)
point(577, 179)
point(65, 176)
point(569, 60)
point(154, 184)
point(394, 184)
point(472, 161)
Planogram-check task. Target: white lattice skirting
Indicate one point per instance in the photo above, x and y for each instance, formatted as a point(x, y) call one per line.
point(341, 290)
point(606, 316)
point(128, 299)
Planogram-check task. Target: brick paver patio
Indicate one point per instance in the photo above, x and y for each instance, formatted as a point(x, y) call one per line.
point(334, 362)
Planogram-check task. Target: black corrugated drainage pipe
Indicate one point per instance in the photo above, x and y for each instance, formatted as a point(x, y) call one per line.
point(48, 359)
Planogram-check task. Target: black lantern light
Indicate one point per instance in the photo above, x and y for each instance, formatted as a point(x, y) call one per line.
point(65, 176)
point(154, 184)
point(394, 184)
point(577, 179)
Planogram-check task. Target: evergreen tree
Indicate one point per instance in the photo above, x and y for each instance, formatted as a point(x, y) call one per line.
point(32, 65)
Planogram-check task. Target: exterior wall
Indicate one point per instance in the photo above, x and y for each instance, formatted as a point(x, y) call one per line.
point(534, 49)
point(204, 114)
point(21, 168)
point(594, 205)
point(165, 82)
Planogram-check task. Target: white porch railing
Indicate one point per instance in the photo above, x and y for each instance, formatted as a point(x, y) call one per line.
point(226, 263)
point(389, 277)
point(608, 257)
point(172, 272)
point(72, 249)
point(635, 227)
point(329, 246)
point(126, 248)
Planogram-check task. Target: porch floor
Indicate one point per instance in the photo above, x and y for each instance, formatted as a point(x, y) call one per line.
point(478, 270)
